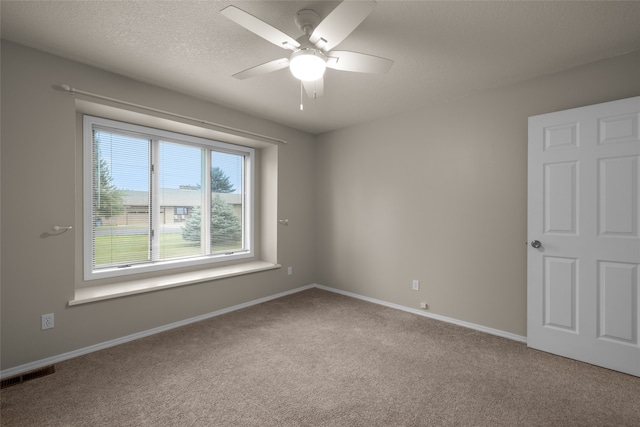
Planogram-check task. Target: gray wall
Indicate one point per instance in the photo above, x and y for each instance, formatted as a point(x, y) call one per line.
point(440, 195)
point(40, 189)
point(437, 195)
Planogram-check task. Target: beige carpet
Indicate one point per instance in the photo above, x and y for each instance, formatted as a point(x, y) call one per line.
point(321, 359)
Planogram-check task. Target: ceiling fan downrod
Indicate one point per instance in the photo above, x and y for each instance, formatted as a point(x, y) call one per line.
point(307, 20)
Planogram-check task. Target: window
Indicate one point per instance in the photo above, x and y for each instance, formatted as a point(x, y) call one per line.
point(155, 199)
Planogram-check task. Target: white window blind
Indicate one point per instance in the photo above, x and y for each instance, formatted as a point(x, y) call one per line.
point(121, 228)
point(226, 186)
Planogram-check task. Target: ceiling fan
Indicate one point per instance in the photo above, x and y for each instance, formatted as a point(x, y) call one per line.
point(312, 52)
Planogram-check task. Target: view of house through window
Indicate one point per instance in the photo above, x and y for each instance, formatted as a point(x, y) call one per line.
point(159, 197)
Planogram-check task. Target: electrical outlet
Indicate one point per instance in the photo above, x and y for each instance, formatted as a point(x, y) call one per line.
point(289, 271)
point(424, 305)
point(416, 285)
point(47, 321)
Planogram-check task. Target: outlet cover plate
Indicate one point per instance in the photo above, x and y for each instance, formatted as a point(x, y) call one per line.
point(47, 321)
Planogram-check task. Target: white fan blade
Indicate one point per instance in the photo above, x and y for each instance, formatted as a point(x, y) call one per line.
point(314, 88)
point(340, 23)
point(260, 28)
point(267, 67)
point(358, 62)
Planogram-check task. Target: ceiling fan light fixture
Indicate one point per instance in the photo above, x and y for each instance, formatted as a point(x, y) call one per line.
point(307, 64)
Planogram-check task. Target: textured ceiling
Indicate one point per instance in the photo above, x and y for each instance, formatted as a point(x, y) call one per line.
point(442, 49)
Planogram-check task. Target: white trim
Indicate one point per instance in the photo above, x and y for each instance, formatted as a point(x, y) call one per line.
point(248, 203)
point(111, 343)
point(91, 294)
point(87, 196)
point(205, 214)
point(154, 212)
point(86, 350)
point(469, 325)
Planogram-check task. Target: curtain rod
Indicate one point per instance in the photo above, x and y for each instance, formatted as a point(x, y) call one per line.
point(72, 91)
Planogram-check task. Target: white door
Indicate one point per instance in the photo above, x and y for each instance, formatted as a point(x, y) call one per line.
point(583, 207)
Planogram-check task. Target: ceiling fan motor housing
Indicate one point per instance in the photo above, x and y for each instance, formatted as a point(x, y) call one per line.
point(307, 20)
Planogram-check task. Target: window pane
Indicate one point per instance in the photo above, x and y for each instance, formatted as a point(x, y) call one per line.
point(120, 199)
point(157, 200)
point(180, 200)
point(227, 202)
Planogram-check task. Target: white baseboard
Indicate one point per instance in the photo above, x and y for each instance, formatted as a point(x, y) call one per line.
point(17, 370)
point(469, 325)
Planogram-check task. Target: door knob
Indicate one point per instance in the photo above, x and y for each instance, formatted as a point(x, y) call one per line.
point(536, 244)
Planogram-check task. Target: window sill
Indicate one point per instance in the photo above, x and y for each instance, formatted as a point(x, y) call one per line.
point(133, 287)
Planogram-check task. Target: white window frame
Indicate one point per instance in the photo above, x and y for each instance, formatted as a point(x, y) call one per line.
point(248, 229)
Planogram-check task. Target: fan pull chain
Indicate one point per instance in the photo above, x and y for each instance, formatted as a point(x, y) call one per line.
point(301, 105)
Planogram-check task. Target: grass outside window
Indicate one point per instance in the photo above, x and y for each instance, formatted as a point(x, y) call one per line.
point(110, 249)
